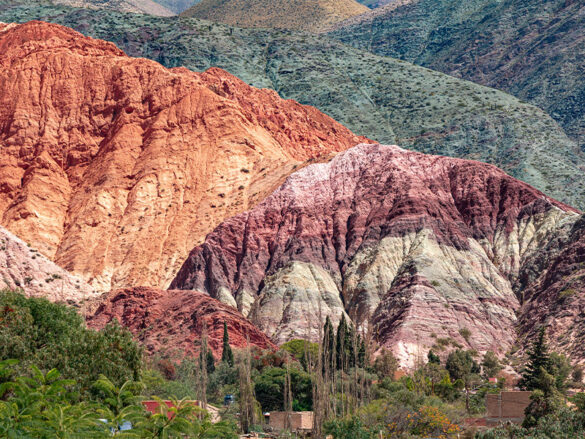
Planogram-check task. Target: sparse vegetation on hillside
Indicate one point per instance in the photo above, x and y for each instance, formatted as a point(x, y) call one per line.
point(305, 15)
point(521, 47)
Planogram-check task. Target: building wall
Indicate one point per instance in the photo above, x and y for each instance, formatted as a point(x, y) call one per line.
point(506, 406)
point(298, 420)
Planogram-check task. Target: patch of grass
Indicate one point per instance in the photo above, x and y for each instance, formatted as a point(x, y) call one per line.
point(569, 292)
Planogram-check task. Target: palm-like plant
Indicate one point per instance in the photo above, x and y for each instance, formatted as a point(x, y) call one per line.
point(121, 404)
point(37, 408)
point(169, 422)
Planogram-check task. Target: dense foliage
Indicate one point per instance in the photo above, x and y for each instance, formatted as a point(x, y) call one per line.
point(40, 406)
point(37, 332)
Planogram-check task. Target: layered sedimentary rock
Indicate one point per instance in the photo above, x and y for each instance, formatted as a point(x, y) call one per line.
point(173, 321)
point(22, 267)
point(116, 167)
point(426, 250)
point(555, 297)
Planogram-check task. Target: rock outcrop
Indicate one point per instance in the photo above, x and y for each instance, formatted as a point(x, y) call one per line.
point(173, 321)
point(22, 267)
point(555, 297)
point(428, 250)
point(116, 167)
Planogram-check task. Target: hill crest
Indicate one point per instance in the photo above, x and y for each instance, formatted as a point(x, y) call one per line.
point(304, 15)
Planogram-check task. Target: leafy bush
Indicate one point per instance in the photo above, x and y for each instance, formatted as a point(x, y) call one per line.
point(352, 428)
point(51, 336)
point(269, 388)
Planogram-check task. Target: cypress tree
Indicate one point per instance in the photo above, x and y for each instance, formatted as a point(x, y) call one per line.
point(350, 354)
point(361, 357)
point(227, 356)
point(538, 361)
point(341, 343)
point(328, 345)
point(210, 362)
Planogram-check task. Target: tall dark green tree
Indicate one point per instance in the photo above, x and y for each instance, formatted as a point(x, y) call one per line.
point(206, 358)
point(340, 343)
point(227, 356)
point(329, 351)
point(350, 347)
point(362, 354)
point(538, 361)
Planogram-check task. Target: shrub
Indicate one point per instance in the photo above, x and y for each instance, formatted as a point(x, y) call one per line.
point(52, 336)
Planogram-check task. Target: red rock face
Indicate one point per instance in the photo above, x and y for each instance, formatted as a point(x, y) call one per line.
point(421, 246)
point(172, 321)
point(100, 152)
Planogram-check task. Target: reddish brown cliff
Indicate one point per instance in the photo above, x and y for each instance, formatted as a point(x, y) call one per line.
point(172, 321)
point(424, 247)
point(116, 167)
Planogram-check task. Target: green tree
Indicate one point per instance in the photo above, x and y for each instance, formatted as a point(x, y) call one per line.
point(544, 400)
point(341, 344)
point(386, 364)
point(37, 332)
point(561, 369)
point(433, 358)
point(269, 389)
point(538, 361)
point(351, 428)
point(227, 356)
point(350, 347)
point(209, 362)
point(491, 365)
point(362, 355)
point(329, 348)
point(301, 350)
point(461, 366)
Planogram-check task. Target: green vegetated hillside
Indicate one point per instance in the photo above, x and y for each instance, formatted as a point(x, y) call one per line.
point(306, 15)
point(532, 49)
point(388, 100)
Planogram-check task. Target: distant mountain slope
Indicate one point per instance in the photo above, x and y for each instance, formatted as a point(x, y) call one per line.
point(306, 15)
point(177, 6)
point(372, 4)
point(533, 49)
point(421, 246)
point(137, 6)
point(387, 100)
